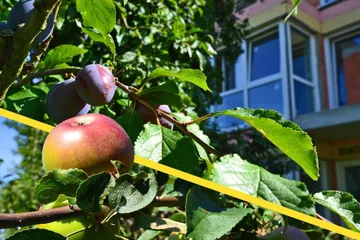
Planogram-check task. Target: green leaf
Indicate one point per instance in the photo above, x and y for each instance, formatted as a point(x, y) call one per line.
point(161, 224)
point(148, 235)
point(195, 129)
point(206, 220)
point(164, 98)
point(286, 135)
point(343, 204)
point(57, 182)
point(170, 87)
point(294, 9)
point(97, 37)
point(167, 147)
point(128, 57)
point(167, 93)
point(132, 124)
point(132, 193)
point(61, 54)
point(89, 193)
point(251, 179)
point(99, 14)
point(187, 75)
point(36, 234)
point(21, 94)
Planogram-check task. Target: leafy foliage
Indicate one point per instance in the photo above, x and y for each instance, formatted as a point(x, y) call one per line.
point(159, 50)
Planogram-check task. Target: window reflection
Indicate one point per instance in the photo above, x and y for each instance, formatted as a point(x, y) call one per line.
point(230, 101)
point(348, 62)
point(301, 55)
point(265, 57)
point(304, 100)
point(268, 96)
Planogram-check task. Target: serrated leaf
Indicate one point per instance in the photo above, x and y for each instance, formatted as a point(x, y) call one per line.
point(57, 182)
point(99, 14)
point(160, 224)
point(284, 134)
point(195, 129)
point(187, 75)
point(148, 235)
point(343, 204)
point(170, 86)
point(21, 94)
point(132, 124)
point(251, 179)
point(61, 54)
point(36, 234)
point(206, 220)
point(97, 37)
point(164, 98)
point(167, 147)
point(128, 57)
point(132, 193)
point(89, 193)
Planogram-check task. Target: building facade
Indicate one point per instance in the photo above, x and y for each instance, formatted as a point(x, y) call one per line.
point(308, 69)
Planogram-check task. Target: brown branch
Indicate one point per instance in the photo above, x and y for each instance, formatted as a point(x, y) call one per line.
point(13, 220)
point(28, 78)
point(23, 39)
point(38, 217)
point(132, 94)
point(198, 119)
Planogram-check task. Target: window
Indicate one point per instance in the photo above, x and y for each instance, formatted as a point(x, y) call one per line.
point(302, 73)
point(348, 61)
point(277, 70)
point(343, 61)
point(324, 3)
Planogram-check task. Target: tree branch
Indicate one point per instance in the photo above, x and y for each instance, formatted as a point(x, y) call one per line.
point(182, 126)
point(23, 39)
point(45, 216)
point(45, 73)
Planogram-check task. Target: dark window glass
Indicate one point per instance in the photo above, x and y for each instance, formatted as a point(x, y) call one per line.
point(348, 77)
point(230, 101)
point(265, 57)
point(304, 100)
point(267, 96)
point(301, 55)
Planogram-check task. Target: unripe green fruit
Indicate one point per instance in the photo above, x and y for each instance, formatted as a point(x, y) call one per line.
point(68, 226)
point(291, 233)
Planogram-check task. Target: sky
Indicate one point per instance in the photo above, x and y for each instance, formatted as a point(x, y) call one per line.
point(7, 145)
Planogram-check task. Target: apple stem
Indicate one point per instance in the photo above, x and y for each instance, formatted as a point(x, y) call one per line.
point(80, 230)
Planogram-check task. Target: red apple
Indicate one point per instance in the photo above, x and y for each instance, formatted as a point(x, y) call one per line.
point(149, 116)
point(88, 142)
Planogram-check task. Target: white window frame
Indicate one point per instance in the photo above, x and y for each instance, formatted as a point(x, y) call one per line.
point(286, 69)
point(314, 83)
point(330, 62)
point(244, 71)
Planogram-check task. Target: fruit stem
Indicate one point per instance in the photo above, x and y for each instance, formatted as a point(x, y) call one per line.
point(80, 230)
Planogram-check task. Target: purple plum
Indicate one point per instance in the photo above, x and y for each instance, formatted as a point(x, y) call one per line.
point(63, 102)
point(21, 12)
point(95, 84)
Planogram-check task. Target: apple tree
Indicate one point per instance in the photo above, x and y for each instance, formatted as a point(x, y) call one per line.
point(119, 79)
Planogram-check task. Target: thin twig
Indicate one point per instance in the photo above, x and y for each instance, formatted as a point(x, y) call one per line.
point(167, 116)
point(13, 220)
point(28, 78)
point(321, 217)
point(198, 119)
